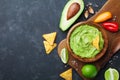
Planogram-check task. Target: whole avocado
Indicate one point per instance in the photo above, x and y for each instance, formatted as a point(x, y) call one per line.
point(70, 13)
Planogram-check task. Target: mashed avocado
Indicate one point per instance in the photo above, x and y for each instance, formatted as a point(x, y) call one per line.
point(81, 41)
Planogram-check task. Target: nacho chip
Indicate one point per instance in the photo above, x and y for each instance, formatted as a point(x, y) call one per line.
point(67, 75)
point(96, 42)
point(50, 37)
point(52, 47)
point(48, 47)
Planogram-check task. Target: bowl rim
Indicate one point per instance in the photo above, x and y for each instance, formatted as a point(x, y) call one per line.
point(100, 54)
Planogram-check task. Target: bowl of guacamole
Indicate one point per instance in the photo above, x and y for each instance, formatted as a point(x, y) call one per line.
point(87, 42)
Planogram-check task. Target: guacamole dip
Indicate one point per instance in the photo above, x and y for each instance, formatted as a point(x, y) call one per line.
point(81, 41)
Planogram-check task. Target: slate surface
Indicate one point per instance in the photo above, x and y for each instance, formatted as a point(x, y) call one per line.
point(22, 55)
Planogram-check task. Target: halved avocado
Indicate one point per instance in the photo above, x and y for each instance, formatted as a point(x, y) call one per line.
point(70, 13)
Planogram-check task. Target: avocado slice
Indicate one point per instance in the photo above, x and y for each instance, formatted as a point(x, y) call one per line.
point(70, 13)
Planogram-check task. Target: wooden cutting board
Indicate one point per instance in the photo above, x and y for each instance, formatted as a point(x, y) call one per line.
point(113, 39)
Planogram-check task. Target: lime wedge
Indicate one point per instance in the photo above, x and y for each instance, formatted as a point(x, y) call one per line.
point(111, 74)
point(64, 55)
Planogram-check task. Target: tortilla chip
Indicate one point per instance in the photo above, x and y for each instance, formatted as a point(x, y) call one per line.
point(67, 75)
point(50, 37)
point(52, 47)
point(96, 42)
point(48, 47)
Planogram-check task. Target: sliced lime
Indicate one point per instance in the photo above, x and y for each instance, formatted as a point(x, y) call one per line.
point(64, 55)
point(111, 74)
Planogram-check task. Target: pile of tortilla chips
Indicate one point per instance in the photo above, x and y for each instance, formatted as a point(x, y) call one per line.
point(49, 41)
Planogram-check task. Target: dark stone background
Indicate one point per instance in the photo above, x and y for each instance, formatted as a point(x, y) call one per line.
point(22, 55)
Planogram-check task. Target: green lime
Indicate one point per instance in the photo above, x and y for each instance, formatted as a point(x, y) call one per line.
point(111, 74)
point(64, 55)
point(89, 70)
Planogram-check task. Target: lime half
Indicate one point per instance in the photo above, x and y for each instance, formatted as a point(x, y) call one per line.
point(111, 74)
point(64, 55)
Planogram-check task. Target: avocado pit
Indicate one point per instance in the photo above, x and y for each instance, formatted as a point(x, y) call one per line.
point(73, 10)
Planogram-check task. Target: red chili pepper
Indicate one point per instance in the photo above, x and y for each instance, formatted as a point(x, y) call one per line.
point(111, 26)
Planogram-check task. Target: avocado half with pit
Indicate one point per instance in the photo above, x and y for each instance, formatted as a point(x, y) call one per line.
point(70, 13)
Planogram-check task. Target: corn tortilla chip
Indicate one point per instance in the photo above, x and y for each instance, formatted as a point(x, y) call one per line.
point(52, 47)
point(50, 37)
point(67, 75)
point(96, 42)
point(48, 47)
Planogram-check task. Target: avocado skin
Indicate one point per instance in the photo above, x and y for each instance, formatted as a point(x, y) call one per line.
point(64, 23)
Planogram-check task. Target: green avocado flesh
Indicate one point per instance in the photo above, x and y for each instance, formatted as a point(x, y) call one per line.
point(64, 23)
point(81, 41)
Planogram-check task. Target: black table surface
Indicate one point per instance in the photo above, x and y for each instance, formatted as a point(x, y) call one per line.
point(22, 54)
